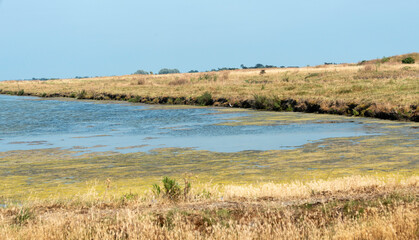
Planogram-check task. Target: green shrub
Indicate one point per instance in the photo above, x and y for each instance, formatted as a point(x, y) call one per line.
point(81, 94)
point(171, 189)
point(136, 99)
point(21, 92)
point(205, 99)
point(408, 60)
point(261, 102)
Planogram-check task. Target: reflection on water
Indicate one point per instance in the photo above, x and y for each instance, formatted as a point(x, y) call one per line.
point(32, 123)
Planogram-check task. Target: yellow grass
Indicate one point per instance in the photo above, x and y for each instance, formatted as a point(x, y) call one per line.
point(354, 207)
point(390, 86)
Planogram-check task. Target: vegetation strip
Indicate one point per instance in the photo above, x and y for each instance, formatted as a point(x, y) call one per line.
point(383, 88)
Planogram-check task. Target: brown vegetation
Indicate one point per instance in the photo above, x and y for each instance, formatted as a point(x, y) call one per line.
point(346, 208)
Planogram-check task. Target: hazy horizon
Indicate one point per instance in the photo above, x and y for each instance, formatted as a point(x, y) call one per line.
point(45, 39)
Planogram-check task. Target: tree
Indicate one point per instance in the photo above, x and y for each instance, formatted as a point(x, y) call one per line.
point(168, 71)
point(142, 72)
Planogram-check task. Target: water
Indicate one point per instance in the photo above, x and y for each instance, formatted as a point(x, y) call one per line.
point(33, 123)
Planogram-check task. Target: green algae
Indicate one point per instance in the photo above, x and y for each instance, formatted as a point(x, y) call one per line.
point(49, 173)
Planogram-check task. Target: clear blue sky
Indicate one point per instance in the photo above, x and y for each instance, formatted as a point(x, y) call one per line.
point(101, 37)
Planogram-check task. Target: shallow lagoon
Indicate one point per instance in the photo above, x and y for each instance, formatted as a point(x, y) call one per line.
point(51, 147)
point(30, 123)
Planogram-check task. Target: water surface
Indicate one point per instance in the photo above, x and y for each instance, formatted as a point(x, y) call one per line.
point(33, 123)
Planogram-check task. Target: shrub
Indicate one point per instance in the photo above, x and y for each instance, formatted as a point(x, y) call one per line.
point(21, 92)
point(171, 189)
point(136, 99)
point(408, 60)
point(81, 94)
point(193, 71)
point(260, 102)
point(205, 99)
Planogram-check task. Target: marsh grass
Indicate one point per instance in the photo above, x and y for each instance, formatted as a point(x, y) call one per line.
point(333, 86)
point(357, 207)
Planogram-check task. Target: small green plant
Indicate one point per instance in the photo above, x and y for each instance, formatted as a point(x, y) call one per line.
point(23, 216)
point(385, 59)
point(205, 99)
point(43, 95)
point(20, 92)
point(408, 60)
point(81, 94)
point(128, 197)
point(136, 99)
point(172, 190)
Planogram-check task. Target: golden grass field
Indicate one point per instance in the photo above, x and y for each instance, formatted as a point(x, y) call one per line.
point(356, 207)
point(385, 90)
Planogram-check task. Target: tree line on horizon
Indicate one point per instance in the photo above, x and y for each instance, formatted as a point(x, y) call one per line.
point(175, 70)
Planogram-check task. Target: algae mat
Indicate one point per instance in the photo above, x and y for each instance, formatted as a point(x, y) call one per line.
point(392, 147)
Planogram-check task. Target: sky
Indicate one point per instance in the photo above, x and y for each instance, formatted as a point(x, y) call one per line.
point(46, 38)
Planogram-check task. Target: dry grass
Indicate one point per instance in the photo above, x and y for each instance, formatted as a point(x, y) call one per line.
point(346, 208)
point(391, 86)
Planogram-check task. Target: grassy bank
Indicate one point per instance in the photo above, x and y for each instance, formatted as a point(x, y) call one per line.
point(382, 88)
point(357, 207)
